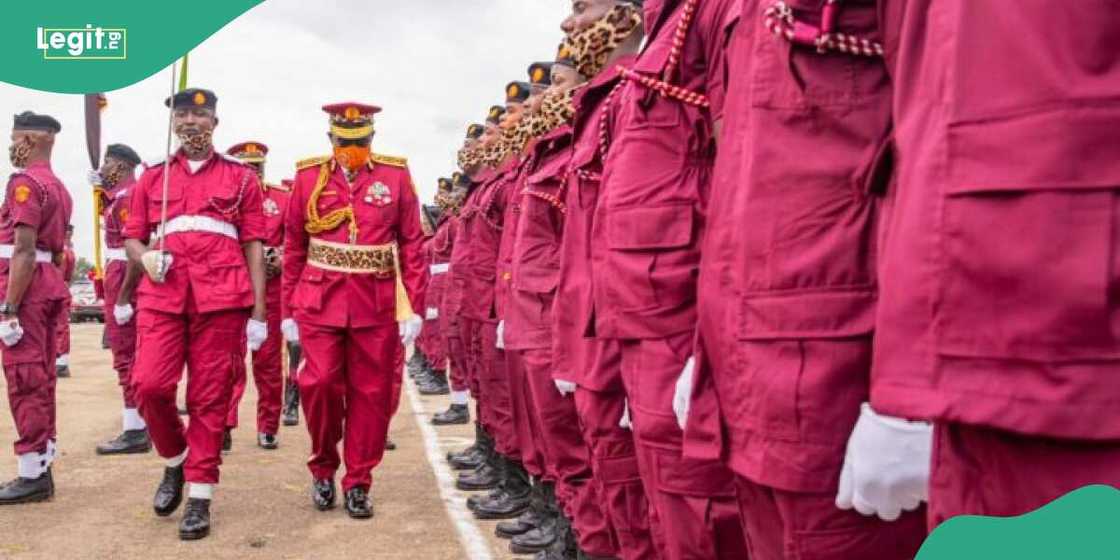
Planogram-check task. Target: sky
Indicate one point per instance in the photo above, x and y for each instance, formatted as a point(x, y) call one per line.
point(434, 66)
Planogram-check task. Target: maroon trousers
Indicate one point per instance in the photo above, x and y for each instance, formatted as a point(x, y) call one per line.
point(268, 371)
point(346, 390)
point(30, 376)
point(696, 513)
point(457, 360)
point(493, 395)
point(209, 345)
point(530, 437)
point(62, 327)
point(122, 338)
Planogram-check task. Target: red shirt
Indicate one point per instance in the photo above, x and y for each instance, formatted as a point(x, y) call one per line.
point(998, 302)
point(114, 211)
point(650, 216)
point(275, 208)
point(510, 218)
point(460, 270)
point(37, 199)
point(341, 299)
point(208, 268)
point(437, 252)
point(483, 222)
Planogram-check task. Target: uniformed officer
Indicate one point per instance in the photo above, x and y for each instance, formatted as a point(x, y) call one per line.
point(295, 353)
point(432, 341)
point(268, 374)
point(205, 271)
point(458, 412)
point(353, 274)
point(33, 221)
point(115, 182)
point(69, 261)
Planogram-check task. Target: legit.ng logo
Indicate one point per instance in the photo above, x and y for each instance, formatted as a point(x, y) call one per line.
point(88, 43)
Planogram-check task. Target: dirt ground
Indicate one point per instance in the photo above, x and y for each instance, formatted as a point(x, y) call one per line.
point(102, 506)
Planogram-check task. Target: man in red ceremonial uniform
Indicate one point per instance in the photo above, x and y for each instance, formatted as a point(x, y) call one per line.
point(353, 274)
point(69, 261)
point(33, 222)
point(784, 368)
point(268, 369)
point(603, 37)
point(997, 315)
point(114, 183)
point(443, 243)
point(204, 269)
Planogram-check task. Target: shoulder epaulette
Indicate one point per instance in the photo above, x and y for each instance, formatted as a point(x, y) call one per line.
point(389, 160)
point(312, 162)
point(232, 159)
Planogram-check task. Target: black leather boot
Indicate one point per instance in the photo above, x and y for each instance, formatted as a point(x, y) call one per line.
point(455, 414)
point(417, 363)
point(472, 457)
point(26, 490)
point(545, 535)
point(529, 519)
point(62, 371)
point(515, 496)
point(485, 477)
point(358, 504)
point(322, 494)
point(291, 404)
point(129, 441)
point(169, 493)
point(436, 385)
point(227, 441)
point(196, 520)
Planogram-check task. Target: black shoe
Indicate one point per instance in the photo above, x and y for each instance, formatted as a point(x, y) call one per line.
point(515, 497)
point(27, 490)
point(390, 446)
point(544, 535)
point(227, 441)
point(416, 364)
point(169, 493)
point(358, 504)
point(291, 405)
point(267, 441)
point(130, 441)
point(473, 501)
point(485, 477)
point(466, 460)
point(455, 414)
point(554, 539)
point(62, 371)
point(196, 520)
point(322, 494)
point(529, 519)
point(437, 386)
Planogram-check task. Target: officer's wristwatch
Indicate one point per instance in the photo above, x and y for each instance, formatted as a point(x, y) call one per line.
point(8, 309)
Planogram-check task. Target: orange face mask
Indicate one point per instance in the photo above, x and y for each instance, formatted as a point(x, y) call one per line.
point(352, 157)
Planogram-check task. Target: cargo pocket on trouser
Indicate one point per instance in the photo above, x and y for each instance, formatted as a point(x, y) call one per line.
point(815, 529)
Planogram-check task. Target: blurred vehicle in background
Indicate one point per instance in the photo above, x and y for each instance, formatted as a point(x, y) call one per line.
point(85, 306)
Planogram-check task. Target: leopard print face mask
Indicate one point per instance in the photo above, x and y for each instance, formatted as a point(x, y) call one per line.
point(556, 109)
point(592, 46)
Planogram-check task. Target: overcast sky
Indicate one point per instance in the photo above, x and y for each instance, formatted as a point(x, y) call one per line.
point(433, 65)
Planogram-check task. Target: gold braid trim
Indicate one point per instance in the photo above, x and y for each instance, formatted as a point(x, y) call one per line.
point(316, 224)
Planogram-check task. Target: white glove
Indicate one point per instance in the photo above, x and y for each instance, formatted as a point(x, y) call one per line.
point(624, 422)
point(500, 343)
point(11, 332)
point(257, 332)
point(94, 178)
point(565, 387)
point(410, 329)
point(683, 392)
point(432, 314)
point(886, 467)
point(156, 264)
point(122, 313)
point(290, 330)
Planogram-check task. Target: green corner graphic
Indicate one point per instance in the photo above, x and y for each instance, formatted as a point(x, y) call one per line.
point(1081, 525)
point(75, 46)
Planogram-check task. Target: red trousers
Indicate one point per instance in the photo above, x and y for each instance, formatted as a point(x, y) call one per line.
point(398, 381)
point(614, 463)
point(493, 395)
point(62, 326)
point(696, 513)
point(783, 525)
point(529, 435)
point(457, 361)
point(433, 344)
point(567, 457)
point(122, 338)
point(268, 371)
point(30, 376)
point(209, 345)
point(984, 471)
point(346, 390)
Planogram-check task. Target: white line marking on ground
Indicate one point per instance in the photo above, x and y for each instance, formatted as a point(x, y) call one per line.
point(473, 542)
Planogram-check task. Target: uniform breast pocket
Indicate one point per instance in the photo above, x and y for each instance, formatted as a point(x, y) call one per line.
point(174, 197)
point(650, 264)
point(228, 273)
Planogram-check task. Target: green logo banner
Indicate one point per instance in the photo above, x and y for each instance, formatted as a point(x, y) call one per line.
point(72, 46)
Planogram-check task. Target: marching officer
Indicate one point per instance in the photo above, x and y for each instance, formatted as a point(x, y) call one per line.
point(268, 374)
point(205, 271)
point(33, 221)
point(69, 261)
point(116, 179)
point(353, 274)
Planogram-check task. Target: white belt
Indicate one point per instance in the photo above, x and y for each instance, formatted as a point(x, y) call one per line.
point(115, 255)
point(439, 268)
point(6, 252)
point(205, 224)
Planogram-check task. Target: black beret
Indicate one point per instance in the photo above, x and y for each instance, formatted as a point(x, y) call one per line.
point(475, 130)
point(455, 177)
point(462, 180)
point(495, 114)
point(31, 121)
point(123, 153)
point(444, 183)
point(517, 92)
point(193, 97)
point(540, 74)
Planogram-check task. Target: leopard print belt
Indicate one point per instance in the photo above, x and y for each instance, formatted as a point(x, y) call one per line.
point(378, 260)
